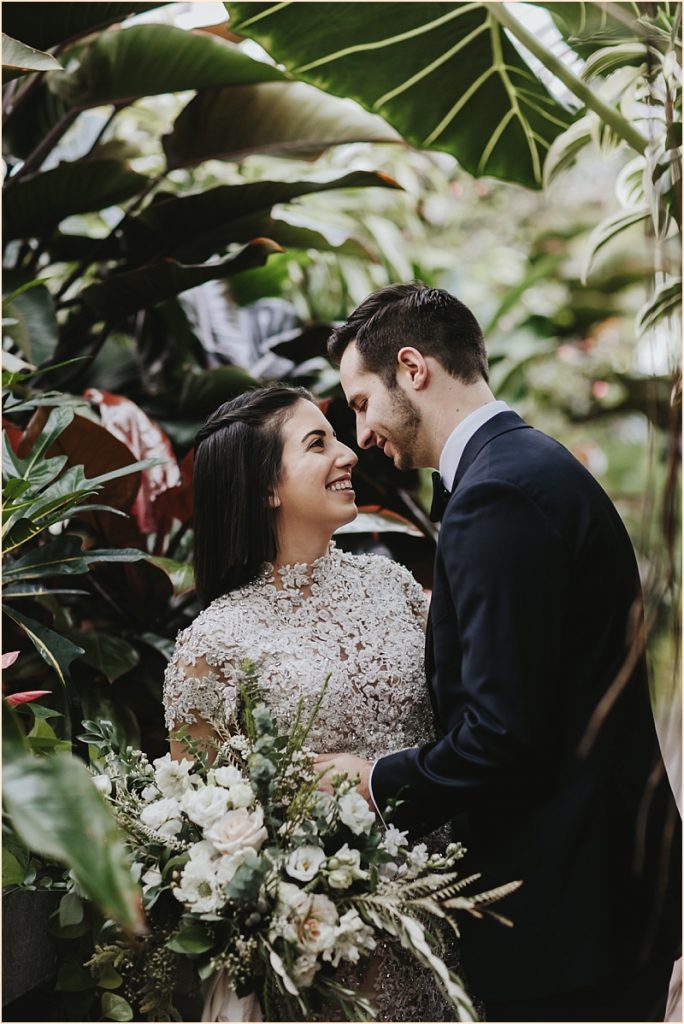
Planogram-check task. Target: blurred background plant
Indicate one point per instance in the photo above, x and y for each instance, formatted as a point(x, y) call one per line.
point(190, 202)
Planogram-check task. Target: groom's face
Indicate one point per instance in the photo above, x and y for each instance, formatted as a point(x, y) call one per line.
point(386, 418)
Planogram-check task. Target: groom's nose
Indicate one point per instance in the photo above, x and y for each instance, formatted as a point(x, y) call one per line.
point(364, 435)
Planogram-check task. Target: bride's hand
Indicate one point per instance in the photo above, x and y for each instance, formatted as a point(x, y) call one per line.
point(338, 764)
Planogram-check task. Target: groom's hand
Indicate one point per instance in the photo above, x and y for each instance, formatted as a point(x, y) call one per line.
point(337, 764)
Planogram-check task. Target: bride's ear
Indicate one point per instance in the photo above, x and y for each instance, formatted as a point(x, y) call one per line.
point(273, 500)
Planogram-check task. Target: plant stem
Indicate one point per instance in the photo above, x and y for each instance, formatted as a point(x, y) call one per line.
point(35, 159)
point(631, 135)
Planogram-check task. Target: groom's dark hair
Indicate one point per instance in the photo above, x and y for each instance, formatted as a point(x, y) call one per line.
point(429, 319)
point(238, 454)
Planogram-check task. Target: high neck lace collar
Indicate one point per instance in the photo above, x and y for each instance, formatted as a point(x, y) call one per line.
point(299, 575)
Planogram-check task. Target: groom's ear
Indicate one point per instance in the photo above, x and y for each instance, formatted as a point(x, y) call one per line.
point(412, 366)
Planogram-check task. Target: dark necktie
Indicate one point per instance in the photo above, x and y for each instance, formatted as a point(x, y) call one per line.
point(440, 498)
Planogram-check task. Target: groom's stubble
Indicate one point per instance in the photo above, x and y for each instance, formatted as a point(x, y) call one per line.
point(403, 432)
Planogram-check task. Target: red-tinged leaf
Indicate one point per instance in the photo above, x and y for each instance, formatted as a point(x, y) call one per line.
point(25, 697)
point(14, 434)
point(174, 502)
point(9, 658)
point(324, 405)
point(88, 443)
point(144, 439)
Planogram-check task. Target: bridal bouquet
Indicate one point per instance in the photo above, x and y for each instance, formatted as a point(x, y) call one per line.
point(255, 882)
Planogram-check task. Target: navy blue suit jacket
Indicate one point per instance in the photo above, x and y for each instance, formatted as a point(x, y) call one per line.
point(547, 762)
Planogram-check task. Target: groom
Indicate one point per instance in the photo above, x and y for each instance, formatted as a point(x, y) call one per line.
point(547, 762)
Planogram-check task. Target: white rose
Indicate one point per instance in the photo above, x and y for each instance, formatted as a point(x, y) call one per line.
point(292, 898)
point(172, 777)
point(304, 862)
point(238, 829)
point(226, 776)
point(103, 783)
point(151, 878)
point(317, 928)
point(355, 812)
point(204, 806)
point(240, 794)
point(164, 816)
point(199, 889)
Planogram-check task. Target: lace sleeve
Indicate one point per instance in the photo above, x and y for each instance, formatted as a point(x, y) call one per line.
point(417, 599)
point(201, 680)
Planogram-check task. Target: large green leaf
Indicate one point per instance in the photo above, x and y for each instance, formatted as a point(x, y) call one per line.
point(43, 25)
point(64, 556)
point(56, 811)
point(35, 205)
point(181, 574)
point(111, 655)
point(203, 392)
point(587, 27)
point(194, 227)
point(18, 59)
point(35, 332)
point(284, 118)
point(122, 294)
point(445, 75)
point(145, 60)
point(57, 651)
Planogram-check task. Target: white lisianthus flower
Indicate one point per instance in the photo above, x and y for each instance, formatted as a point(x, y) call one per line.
point(236, 830)
point(203, 852)
point(164, 816)
point(355, 812)
point(240, 794)
point(204, 806)
point(393, 840)
point(226, 776)
point(199, 889)
point(149, 794)
point(103, 783)
point(417, 858)
point(344, 867)
point(304, 862)
point(227, 864)
point(304, 971)
point(352, 938)
point(151, 878)
point(172, 777)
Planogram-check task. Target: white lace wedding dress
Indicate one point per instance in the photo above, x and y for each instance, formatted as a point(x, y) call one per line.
point(359, 618)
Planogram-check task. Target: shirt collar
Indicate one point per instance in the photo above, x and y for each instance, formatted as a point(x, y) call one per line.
point(459, 437)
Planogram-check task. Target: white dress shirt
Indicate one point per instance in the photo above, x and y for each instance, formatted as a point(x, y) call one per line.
point(448, 465)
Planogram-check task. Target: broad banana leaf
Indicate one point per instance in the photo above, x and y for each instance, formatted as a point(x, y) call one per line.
point(283, 118)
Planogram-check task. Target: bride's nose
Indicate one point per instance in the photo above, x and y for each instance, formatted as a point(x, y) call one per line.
point(346, 458)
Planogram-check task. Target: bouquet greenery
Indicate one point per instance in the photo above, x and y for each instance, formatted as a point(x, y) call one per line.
point(251, 874)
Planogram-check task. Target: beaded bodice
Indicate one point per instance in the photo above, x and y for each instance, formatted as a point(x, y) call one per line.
point(357, 618)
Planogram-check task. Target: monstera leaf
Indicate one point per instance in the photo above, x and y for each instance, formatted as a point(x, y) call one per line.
point(445, 75)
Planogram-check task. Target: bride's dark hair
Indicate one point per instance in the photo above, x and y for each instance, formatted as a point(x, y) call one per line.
point(238, 453)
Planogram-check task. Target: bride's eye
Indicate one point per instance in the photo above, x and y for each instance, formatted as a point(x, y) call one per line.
point(317, 443)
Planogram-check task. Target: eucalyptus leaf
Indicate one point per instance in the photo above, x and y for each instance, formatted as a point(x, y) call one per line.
point(116, 1007)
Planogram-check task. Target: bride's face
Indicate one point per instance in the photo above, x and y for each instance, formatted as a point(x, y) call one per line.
point(315, 486)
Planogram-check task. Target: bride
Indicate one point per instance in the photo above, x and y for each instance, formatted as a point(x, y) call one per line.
point(272, 484)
